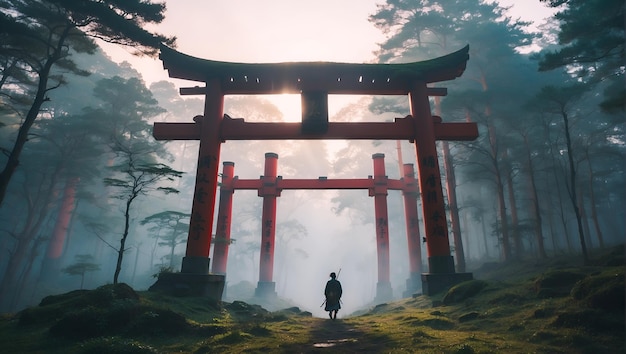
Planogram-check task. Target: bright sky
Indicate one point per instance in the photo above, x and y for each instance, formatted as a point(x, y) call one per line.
point(279, 30)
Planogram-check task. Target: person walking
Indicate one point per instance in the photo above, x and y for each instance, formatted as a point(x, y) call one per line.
point(333, 294)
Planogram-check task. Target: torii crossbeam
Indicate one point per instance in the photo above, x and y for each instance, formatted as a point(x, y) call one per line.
point(314, 82)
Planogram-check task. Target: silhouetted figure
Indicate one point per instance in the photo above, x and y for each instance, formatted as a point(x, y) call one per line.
point(333, 293)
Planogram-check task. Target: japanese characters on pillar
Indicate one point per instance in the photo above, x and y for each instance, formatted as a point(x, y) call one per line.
point(269, 191)
point(224, 217)
point(410, 193)
point(379, 191)
point(435, 223)
point(196, 258)
point(432, 196)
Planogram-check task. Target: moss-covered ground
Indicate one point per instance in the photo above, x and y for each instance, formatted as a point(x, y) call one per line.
point(556, 305)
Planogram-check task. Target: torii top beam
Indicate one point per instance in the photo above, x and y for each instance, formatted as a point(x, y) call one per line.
point(329, 77)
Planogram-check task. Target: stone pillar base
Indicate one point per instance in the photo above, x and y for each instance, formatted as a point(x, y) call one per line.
point(440, 264)
point(384, 292)
point(266, 290)
point(210, 286)
point(413, 285)
point(195, 265)
point(433, 283)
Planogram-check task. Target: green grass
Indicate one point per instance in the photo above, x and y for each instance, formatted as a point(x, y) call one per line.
point(551, 306)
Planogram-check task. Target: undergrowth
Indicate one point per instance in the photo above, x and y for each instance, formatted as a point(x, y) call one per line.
point(551, 306)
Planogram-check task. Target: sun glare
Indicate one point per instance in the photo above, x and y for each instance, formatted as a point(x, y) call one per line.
point(289, 105)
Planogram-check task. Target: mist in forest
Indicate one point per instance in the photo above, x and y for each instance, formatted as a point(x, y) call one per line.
point(63, 216)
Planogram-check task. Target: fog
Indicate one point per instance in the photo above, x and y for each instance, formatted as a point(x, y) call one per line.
point(545, 176)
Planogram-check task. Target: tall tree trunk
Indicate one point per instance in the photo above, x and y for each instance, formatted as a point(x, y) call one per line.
point(70, 227)
point(465, 238)
point(561, 207)
point(172, 248)
point(585, 219)
point(132, 279)
point(37, 212)
point(506, 248)
point(557, 186)
point(400, 161)
point(31, 116)
point(555, 247)
point(154, 248)
point(534, 198)
point(483, 223)
point(448, 166)
point(573, 187)
point(502, 217)
point(22, 135)
point(23, 279)
point(453, 207)
point(120, 252)
point(592, 201)
point(5, 247)
point(517, 239)
point(484, 226)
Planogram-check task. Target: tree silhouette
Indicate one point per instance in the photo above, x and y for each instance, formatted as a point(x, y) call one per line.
point(83, 265)
point(37, 36)
point(136, 175)
point(558, 100)
point(169, 226)
point(592, 45)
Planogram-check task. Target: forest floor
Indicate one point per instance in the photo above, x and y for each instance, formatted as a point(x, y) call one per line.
point(555, 305)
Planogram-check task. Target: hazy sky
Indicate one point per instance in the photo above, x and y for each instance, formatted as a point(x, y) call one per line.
point(279, 30)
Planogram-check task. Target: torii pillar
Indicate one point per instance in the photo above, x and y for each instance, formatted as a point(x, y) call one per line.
point(410, 193)
point(194, 278)
point(441, 273)
point(224, 217)
point(269, 190)
point(379, 192)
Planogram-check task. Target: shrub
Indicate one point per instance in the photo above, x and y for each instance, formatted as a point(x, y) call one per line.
point(85, 323)
point(604, 291)
point(556, 283)
point(115, 345)
point(155, 322)
point(463, 291)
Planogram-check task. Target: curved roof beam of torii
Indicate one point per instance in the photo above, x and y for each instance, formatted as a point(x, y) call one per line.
point(329, 77)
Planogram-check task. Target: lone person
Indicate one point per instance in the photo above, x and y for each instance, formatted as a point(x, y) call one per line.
point(333, 293)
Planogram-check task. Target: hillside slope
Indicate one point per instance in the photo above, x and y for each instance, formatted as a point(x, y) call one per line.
point(552, 306)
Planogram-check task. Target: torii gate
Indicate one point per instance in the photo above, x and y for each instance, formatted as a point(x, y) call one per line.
point(270, 186)
point(314, 81)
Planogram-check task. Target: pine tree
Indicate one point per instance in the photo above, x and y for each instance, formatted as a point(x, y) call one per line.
point(592, 45)
point(39, 35)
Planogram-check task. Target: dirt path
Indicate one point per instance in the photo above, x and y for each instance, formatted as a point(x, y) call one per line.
point(341, 336)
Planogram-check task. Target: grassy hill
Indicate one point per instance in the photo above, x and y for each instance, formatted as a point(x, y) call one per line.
point(551, 306)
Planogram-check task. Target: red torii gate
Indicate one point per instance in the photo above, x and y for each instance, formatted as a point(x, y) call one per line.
point(269, 186)
point(314, 82)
